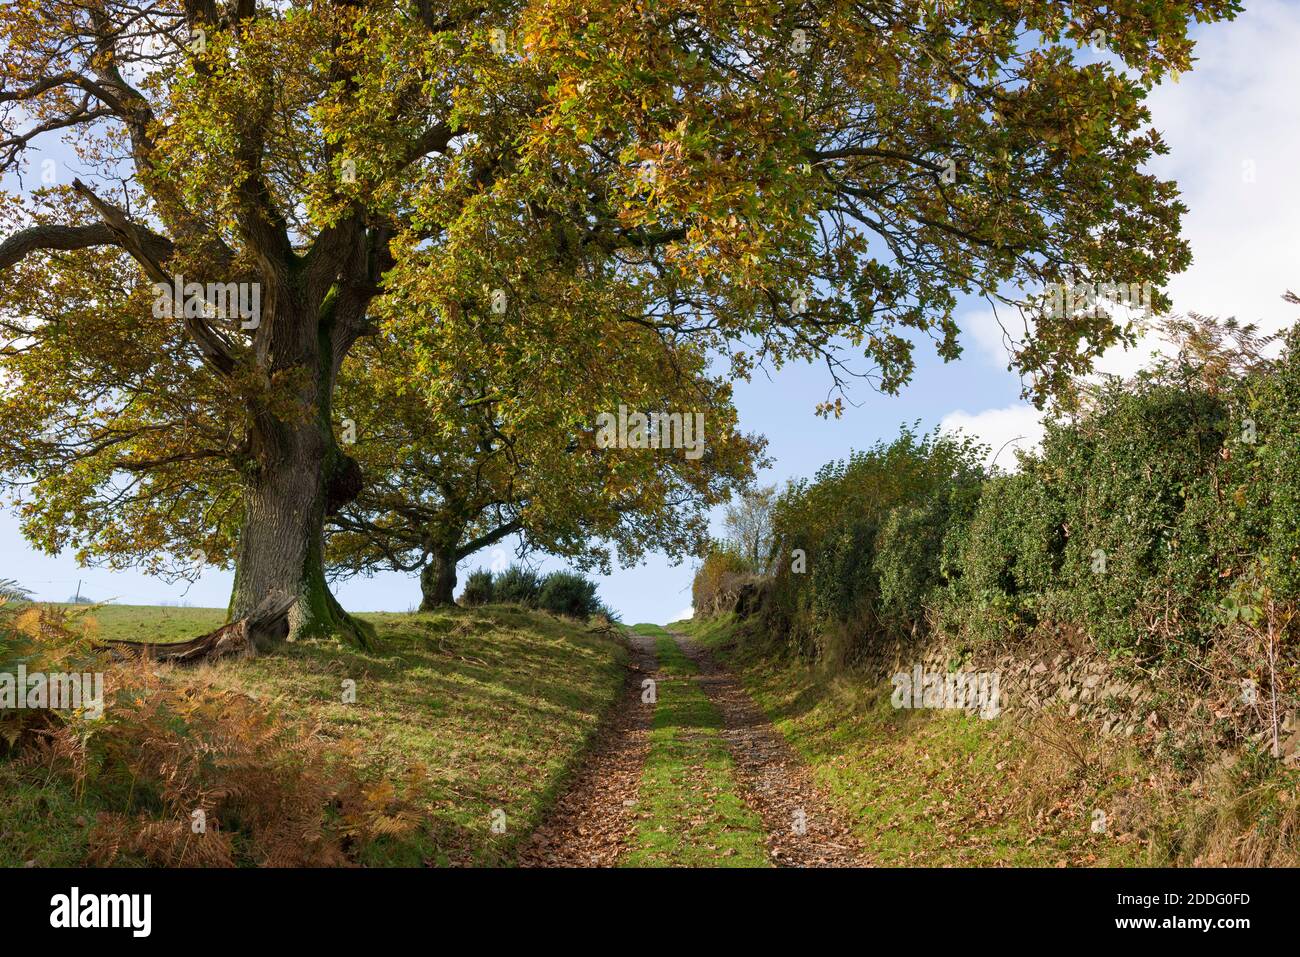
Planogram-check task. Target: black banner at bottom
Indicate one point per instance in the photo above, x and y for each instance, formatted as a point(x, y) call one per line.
point(334, 907)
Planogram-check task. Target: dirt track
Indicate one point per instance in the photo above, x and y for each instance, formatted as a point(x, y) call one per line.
point(593, 823)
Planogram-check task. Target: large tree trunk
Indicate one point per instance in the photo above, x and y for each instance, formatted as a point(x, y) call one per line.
point(280, 592)
point(297, 476)
point(438, 581)
point(281, 542)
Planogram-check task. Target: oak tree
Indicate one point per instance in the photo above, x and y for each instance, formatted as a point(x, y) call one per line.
point(775, 182)
point(513, 451)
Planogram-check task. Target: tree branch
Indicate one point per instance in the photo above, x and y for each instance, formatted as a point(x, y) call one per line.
point(35, 238)
point(491, 538)
point(151, 250)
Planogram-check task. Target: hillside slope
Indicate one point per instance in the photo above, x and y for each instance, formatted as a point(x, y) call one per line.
point(460, 728)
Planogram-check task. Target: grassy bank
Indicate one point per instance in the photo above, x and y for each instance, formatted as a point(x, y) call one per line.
point(691, 813)
point(937, 788)
point(461, 720)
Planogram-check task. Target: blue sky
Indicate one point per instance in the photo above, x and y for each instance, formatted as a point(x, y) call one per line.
point(1233, 127)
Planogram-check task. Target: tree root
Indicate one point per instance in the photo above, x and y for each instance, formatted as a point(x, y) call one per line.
point(354, 630)
point(267, 623)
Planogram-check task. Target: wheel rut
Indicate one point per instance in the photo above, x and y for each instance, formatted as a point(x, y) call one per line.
point(593, 822)
point(803, 828)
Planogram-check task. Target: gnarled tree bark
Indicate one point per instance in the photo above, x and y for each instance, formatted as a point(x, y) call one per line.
point(438, 581)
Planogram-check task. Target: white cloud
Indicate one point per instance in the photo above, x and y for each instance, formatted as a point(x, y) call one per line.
point(684, 614)
point(1016, 427)
point(990, 333)
point(1233, 129)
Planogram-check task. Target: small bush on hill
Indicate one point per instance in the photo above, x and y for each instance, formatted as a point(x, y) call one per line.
point(568, 593)
point(517, 585)
point(478, 588)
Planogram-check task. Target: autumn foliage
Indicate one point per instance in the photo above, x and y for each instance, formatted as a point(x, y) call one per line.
point(540, 210)
point(186, 773)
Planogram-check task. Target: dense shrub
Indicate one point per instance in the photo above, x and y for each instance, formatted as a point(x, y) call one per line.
point(843, 582)
point(1150, 502)
point(1268, 490)
point(828, 576)
point(568, 593)
point(479, 589)
point(563, 592)
point(1140, 510)
point(517, 585)
point(1141, 474)
point(919, 551)
point(1009, 556)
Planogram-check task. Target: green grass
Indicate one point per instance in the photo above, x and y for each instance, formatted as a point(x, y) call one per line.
point(497, 703)
point(718, 633)
point(42, 823)
point(691, 812)
point(153, 622)
point(926, 787)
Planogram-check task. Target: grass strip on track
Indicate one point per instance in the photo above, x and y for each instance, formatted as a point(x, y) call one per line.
point(692, 814)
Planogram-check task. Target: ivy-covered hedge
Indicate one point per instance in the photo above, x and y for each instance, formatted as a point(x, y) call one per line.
point(834, 581)
point(1151, 503)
